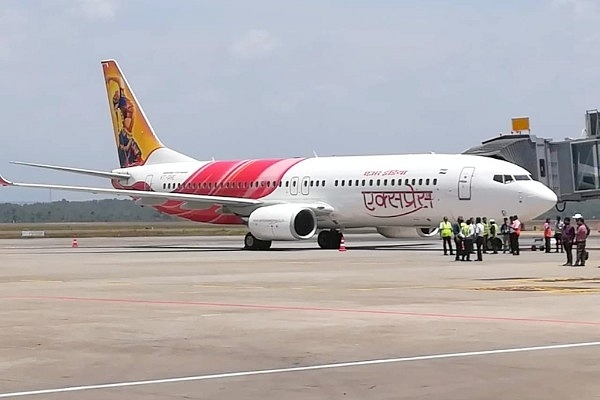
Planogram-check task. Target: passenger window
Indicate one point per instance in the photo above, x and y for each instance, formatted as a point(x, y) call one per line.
point(287, 183)
point(294, 184)
point(364, 182)
point(342, 182)
point(392, 182)
point(335, 183)
point(349, 182)
point(406, 182)
point(312, 183)
point(305, 183)
point(385, 182)
point(427, 181)
point(370, 182)
point(356, 183)
point(323, 183)
point(317, 183)
point(420, 182)
point(414, 181)
point(434, 181)
point(498, 178)
point(378, 182)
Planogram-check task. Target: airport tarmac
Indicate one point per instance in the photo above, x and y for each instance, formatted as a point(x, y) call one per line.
point(197, 318)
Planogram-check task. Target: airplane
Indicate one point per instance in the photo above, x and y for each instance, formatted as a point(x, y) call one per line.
point(284, 199)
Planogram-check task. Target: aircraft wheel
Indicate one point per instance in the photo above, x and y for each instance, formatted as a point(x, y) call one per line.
point(323, 239)
point(249, 241)
point(252, 243)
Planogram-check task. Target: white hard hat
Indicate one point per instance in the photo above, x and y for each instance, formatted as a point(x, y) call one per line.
point(577, 216)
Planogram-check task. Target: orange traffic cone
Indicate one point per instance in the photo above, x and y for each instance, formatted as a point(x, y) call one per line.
point(342, 244)
point(75, 244)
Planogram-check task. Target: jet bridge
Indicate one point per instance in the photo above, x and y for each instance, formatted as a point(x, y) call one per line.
point(571, 168)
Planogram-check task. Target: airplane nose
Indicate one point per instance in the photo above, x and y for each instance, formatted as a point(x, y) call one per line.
point(541, 199)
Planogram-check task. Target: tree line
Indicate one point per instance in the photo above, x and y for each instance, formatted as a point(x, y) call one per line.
point(106, 210)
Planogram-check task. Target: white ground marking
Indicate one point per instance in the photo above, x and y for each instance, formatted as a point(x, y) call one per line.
point(297, 369)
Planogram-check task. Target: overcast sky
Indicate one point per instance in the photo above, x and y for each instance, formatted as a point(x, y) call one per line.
point(273, 78)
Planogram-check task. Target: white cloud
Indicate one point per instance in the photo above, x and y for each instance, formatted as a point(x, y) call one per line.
point(254, 44)
point(96, 9)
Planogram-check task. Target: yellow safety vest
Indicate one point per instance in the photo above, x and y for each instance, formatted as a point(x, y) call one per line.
point(495, 225)
point(446, 228)
point(486, 229)
point(465, 229)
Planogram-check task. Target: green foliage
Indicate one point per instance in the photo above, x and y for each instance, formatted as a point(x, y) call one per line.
point(110, 210)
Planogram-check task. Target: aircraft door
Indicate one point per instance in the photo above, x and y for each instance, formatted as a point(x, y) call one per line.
point(149, 181)
point(305, 185)
point(464, 183)
point(294, 186)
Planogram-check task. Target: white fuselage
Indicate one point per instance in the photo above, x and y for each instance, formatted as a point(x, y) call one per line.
point(367, 191)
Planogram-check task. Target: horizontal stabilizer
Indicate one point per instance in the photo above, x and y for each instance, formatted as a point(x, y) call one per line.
point(99, 174)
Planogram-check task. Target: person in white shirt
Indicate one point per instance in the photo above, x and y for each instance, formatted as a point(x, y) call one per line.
point(479, 238)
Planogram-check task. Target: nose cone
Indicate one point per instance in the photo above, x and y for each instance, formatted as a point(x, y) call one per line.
point(540, 199)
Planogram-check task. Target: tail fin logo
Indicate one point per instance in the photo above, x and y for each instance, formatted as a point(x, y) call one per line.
point(134, 136)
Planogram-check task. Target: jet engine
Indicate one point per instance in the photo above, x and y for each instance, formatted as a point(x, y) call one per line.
point(428, 232)
point(397, 232)
point(282, 222)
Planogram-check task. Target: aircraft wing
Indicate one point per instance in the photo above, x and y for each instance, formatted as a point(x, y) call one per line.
point(99, 174)
point(191, 199)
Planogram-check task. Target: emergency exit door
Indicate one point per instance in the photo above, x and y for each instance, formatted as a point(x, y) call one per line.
point(464, 183)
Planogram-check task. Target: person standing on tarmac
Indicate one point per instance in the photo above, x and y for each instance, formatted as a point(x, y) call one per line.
point(547, 235)
point(505, 232)
point(446, 234)
point(456, 229)
point(581, 234)
point(479, 237)
point(568, 236)
point(486, 234)
point(469, 233)
point(558, 228)
point(515, 231)
point(494, 236)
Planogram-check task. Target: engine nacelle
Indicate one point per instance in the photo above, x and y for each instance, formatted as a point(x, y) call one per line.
point(397, 232)
point(282, 222)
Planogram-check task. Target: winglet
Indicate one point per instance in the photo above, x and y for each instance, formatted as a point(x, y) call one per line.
point(4, 182)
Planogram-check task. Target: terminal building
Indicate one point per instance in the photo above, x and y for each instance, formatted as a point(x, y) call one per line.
point(571, 167)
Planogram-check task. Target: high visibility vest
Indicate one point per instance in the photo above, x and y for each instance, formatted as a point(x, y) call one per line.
point(486, 229)
point(446, 228)
point(465, 229)
point(495, 225)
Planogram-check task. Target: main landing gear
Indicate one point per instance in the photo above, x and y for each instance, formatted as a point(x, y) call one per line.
point(252, 243)
point(330, 239)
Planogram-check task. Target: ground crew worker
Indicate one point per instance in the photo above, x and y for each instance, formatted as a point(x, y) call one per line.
point(457, 238)
point(547, 234)
point(446, 234)
point(505, 232)
point(486, 233)
point(581, 234)
point(558, 228)
point(469, 232)
point(568, 237)
point(479, 238)
point(494, 236)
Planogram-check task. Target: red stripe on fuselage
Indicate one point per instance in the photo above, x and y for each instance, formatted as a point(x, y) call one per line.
point(251, 179)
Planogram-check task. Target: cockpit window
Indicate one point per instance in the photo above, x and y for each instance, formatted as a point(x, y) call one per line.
point(521, 177)
point(498, 178)
point(508, 179)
